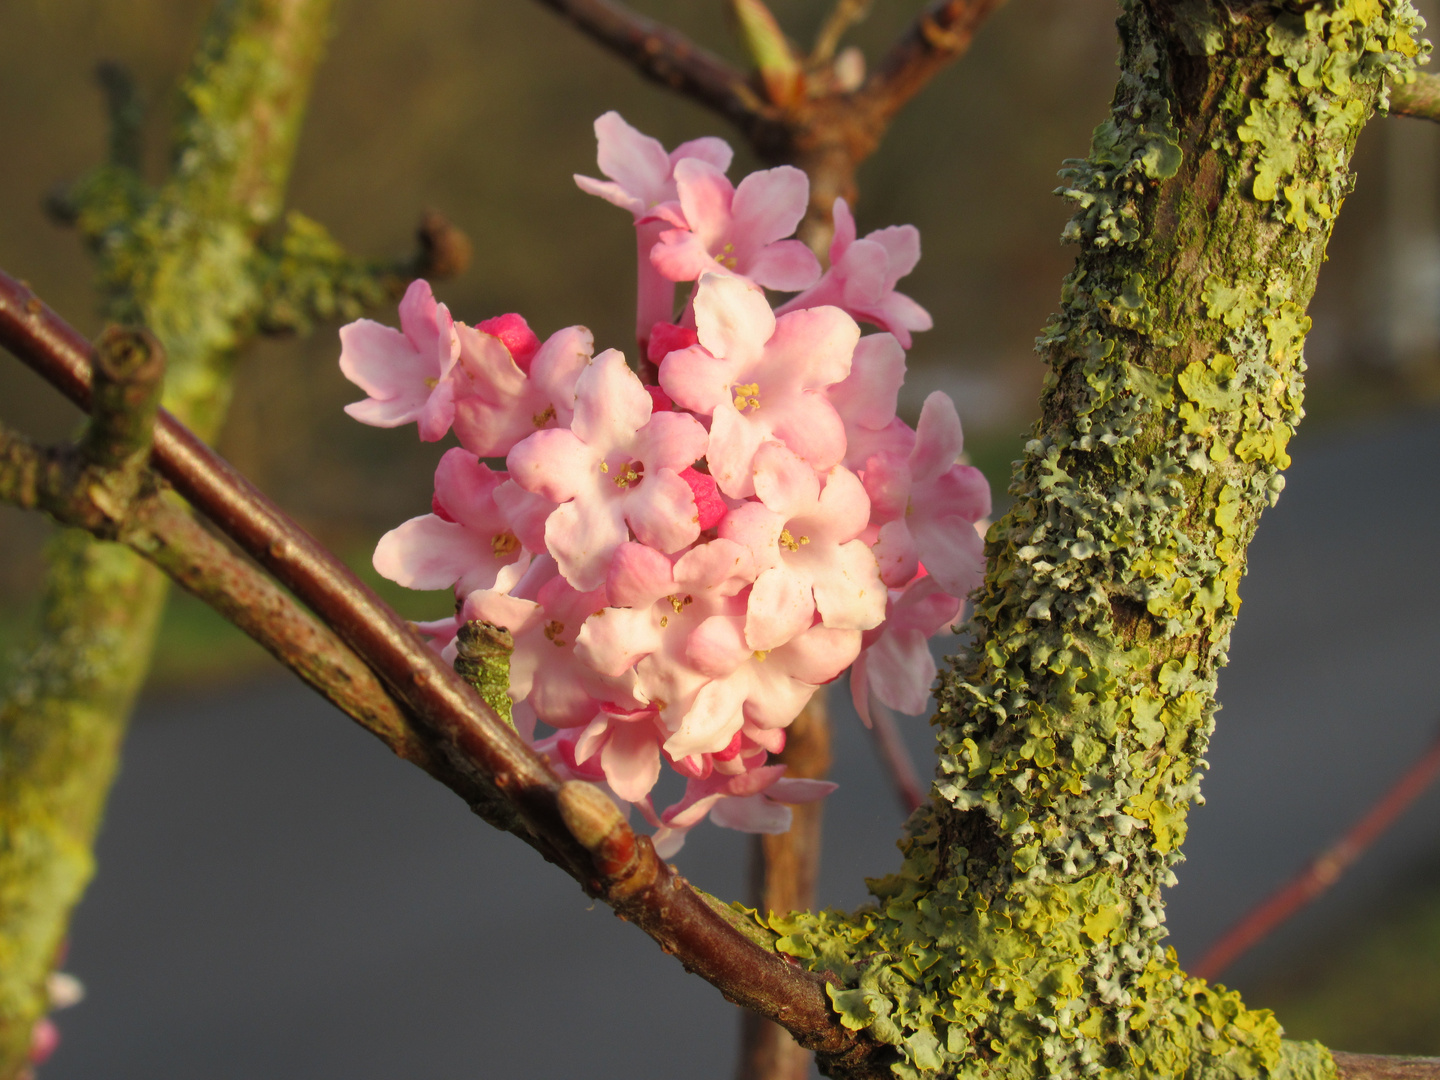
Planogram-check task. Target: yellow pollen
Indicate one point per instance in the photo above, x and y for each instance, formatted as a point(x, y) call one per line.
point(632, 472)
point(747, 396)
point(762, 654)
point(604, 466)
point(432, 383)
point(789, 543)
point(680, 605)
point(541, 419)
point(553, 630)
point(505, 543)
point(664, 621)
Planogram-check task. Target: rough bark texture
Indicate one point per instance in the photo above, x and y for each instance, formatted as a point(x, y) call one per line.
point(1023, 935)
point(177, 260)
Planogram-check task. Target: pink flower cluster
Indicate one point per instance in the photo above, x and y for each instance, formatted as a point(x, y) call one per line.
point(682, 565)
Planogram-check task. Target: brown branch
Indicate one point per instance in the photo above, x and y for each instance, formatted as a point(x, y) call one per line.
point(899, 766)
point(1420, 99)
point(1323, 871)
point(783, 872)
point(665, 55)
point(1377, 1067)
point(939, 36)
point(476, 750)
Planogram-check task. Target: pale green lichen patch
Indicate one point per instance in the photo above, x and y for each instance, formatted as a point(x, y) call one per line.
point(1023, 935)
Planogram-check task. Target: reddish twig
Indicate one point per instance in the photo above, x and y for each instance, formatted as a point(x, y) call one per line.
point(899, 766)
point(480, 753)
point(1323, 871)
point(665, 55)
point(939, 36)
point(1377, 1067)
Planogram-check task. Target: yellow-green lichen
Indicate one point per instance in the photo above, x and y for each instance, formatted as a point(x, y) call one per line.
point(1023, 935)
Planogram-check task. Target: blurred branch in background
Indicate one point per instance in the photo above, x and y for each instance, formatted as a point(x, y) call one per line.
point(1323, 871)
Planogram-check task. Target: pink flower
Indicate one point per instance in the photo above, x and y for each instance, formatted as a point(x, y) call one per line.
point(641, 172)
point(642, 177)
point(896, 665)
point(467, 542)
point(628, 744)
point(729, 230)
point(515, 334)
point(760, 379)
point(929, 505)
point(497, 402)
point(544, 614)
point(618, 463)
point(866, 399)
point(406, 372)
point(804, 539)
point(752, 802)
point(863, 274)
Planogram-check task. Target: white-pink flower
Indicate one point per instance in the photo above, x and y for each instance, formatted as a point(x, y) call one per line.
point(760, 378)
point(929, 505)
point(863, 275)
point(804, 539)
point(642, 177)
point(737, 230)
point(895, 664)
point(467, 542)
point(752, 802)
point(617, 464)
point(405, 372)
point(497, 402)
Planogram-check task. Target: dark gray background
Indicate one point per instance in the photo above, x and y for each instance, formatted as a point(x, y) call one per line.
point(278, 898)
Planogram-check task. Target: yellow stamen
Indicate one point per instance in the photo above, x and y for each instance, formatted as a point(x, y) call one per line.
point(680, 605)
point(789, 543)
point(762, 654)
point(505, 543)
point(541, 419)
point(747, 396)
point(632, 472)
point(553, 630)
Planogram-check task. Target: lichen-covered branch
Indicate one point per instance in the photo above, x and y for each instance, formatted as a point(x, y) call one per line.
point(174, 259)
point(1023, 935)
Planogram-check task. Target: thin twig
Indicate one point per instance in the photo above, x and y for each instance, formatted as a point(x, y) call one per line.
point(665, 55)
point(842, 17)
point(1323, 871)
point(939, 36)
point(478, 747)
point(1377, 1067)
point(899, 765)
point(1420, 99)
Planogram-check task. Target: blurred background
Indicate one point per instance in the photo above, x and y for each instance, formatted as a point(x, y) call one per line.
point(323, 912)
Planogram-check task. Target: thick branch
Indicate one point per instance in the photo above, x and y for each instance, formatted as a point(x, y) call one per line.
point(477, 747)
point(1420, 99)
point(664, 55)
